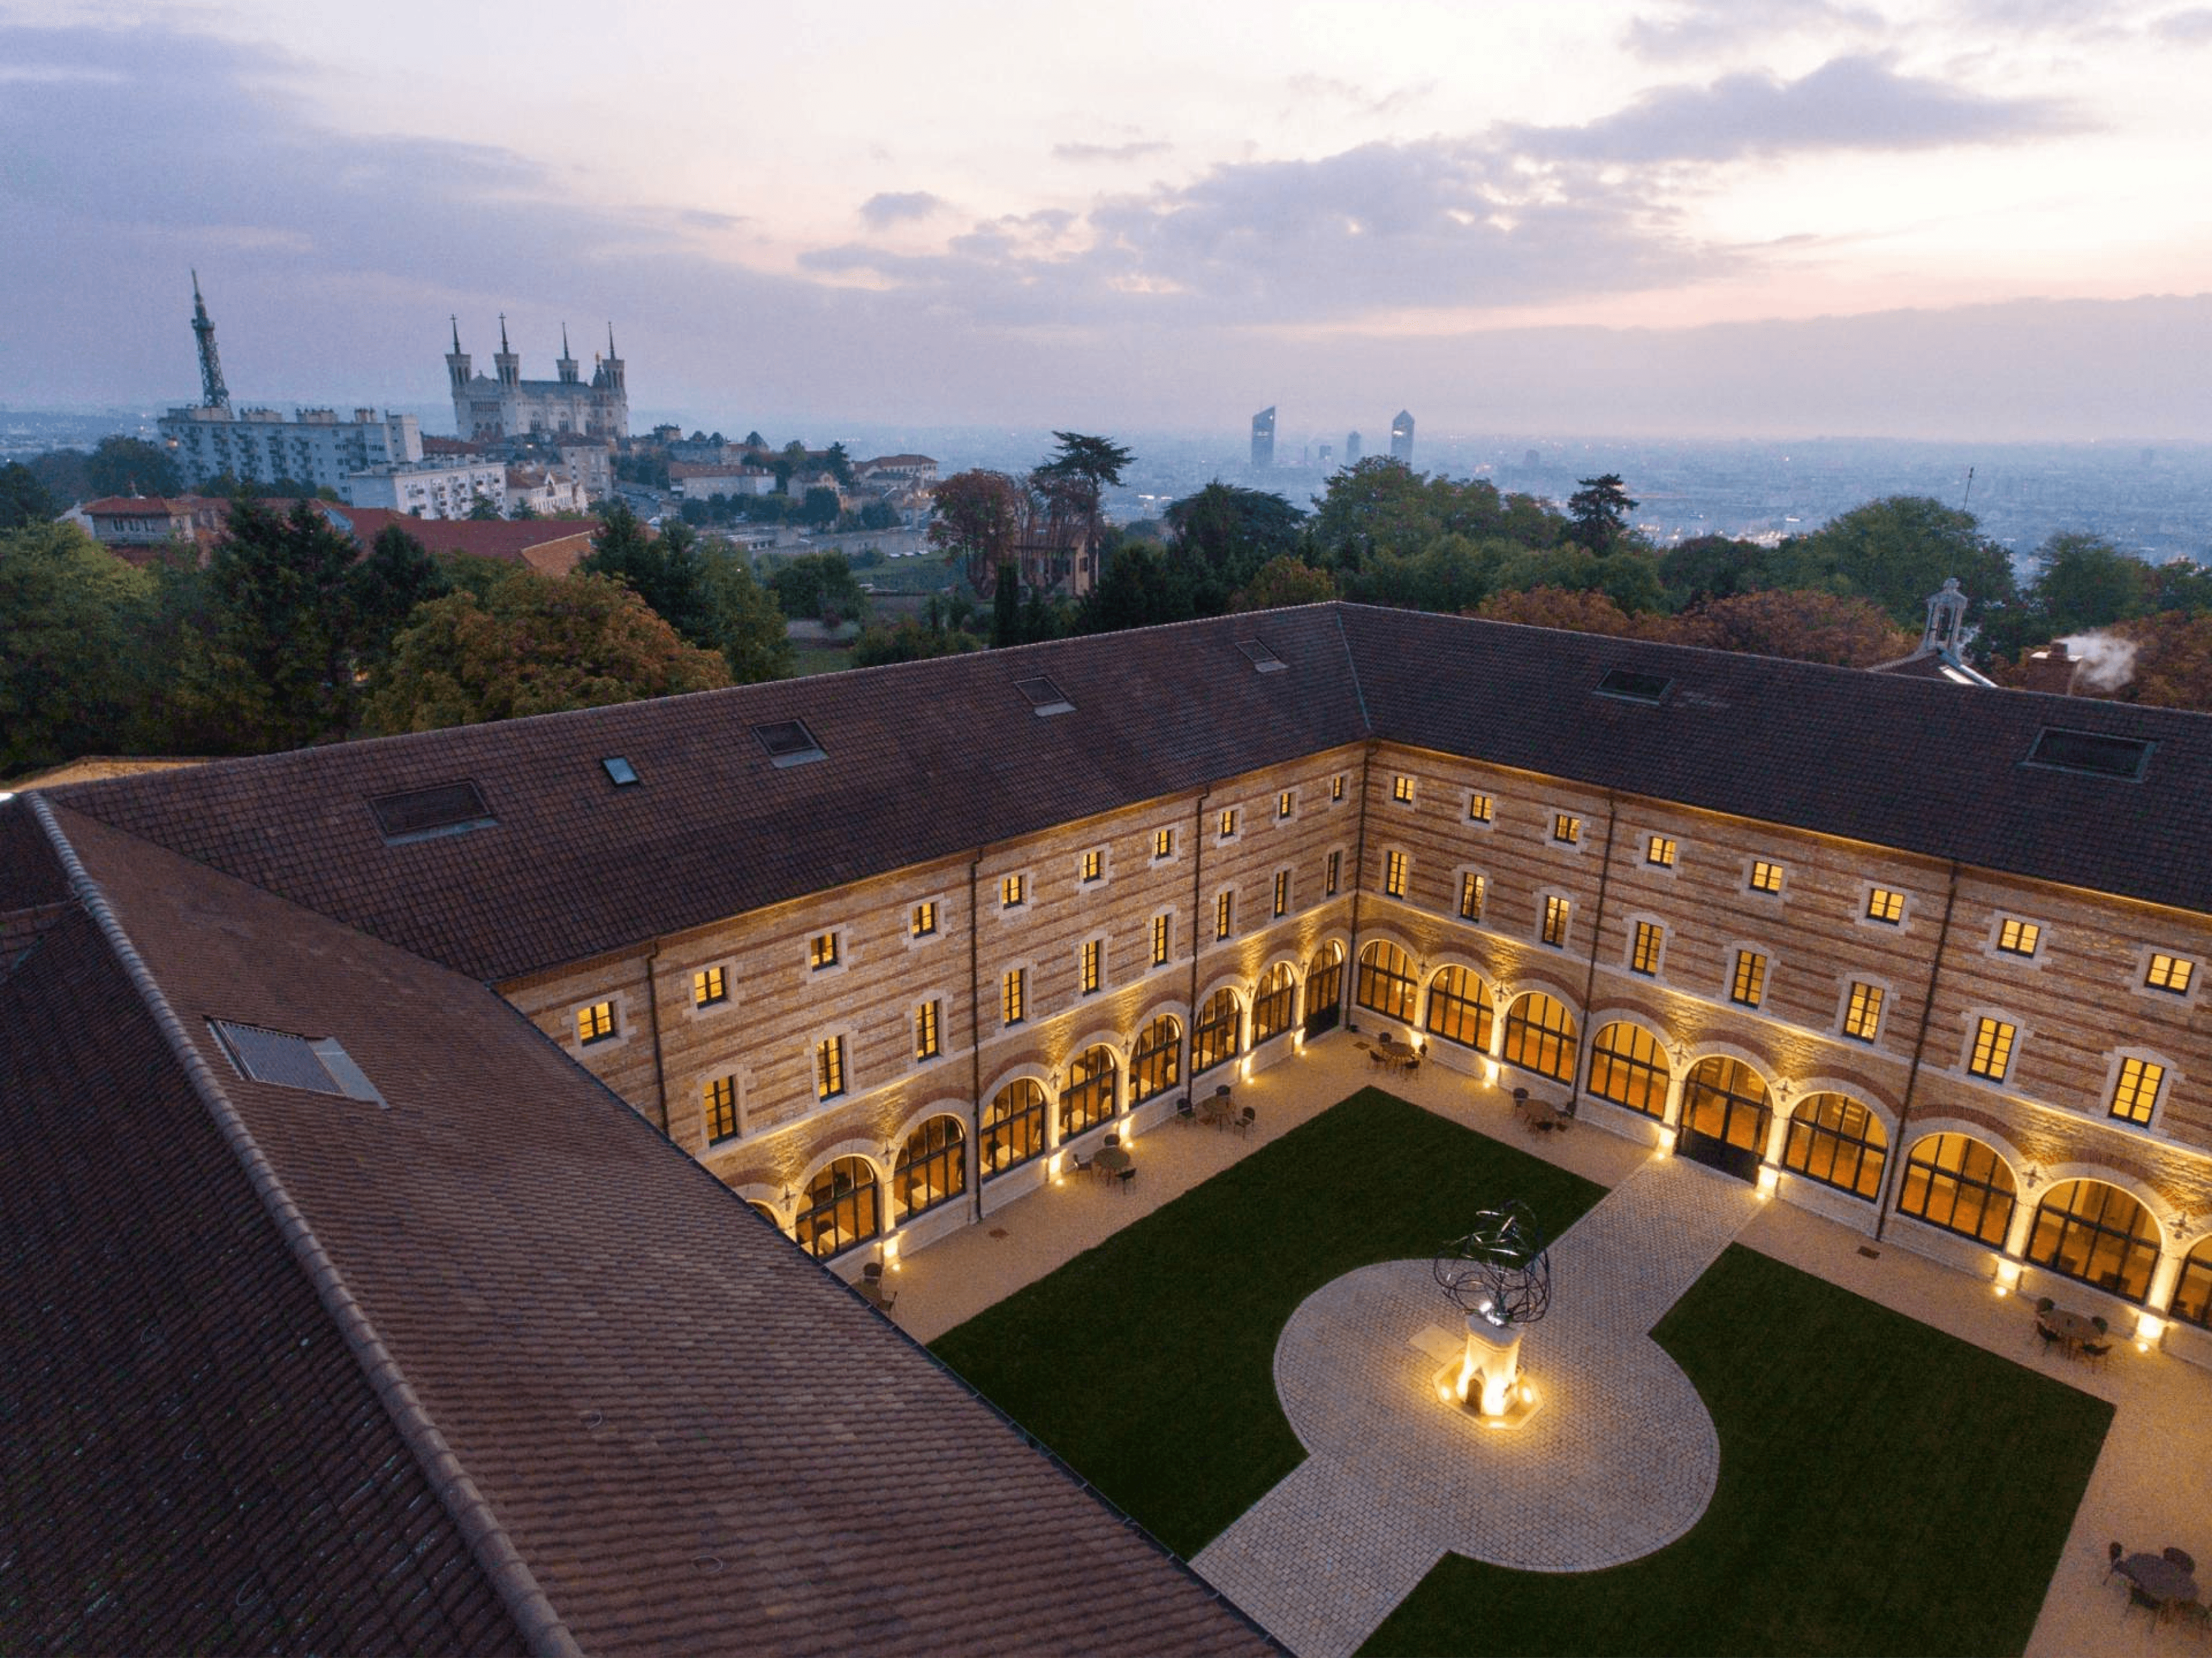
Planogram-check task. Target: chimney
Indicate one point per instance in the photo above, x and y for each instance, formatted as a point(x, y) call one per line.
point(2050, 668)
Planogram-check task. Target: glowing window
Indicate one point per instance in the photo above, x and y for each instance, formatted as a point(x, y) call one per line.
point(1459, 1008)
point(595, 1023)
point(1470, 896)
point(1837, 1141)
point(2171, 973)
point(1555, 921)
point(1992, 1054)
point(1164, 843)
point(1014, 1127)
point(1160, 940)
point(828, 1067)
point(1272, 1002)
point(1540, 1037)
point(1213, 1037)
point(1335, 870)
point(1013, 890)
point(842, 1209)
point(932, 1166)
point(1478, 808)
point(2018, 938)
point(1643, 956)
point(928, 1041)
point(2134, 1095)
point(1386, 981)
point(1094, 864)
point(923, 921)
point(1884, 905)
point(1660, 850)
point(1393, 874)
point(1283, 803)
point(1156, 1065)
point(1863, 1014)
point(1093, 957)
point(821, 951)
point(1089, 1098)
point(1336, 788)
point(718, 1100)
point(1628, 1067)
point(1401, 789)
point(1960, 1185)
point(1014, 995)
point(1766, 877)
point(1282, 892)
point(2097, 1232)
point(1748, 984)
point(1228, 822)
point(1566, 829)
point(1224, 910)
point(708, 986)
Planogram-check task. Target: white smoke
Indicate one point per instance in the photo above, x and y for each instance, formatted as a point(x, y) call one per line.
point(2107, 662)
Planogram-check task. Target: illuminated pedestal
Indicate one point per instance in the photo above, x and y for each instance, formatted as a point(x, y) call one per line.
point(1486, 1381)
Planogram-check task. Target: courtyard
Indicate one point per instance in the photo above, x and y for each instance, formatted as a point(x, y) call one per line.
point(1897, 1467)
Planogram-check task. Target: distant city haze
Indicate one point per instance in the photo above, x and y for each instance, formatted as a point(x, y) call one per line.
point(1688, 219)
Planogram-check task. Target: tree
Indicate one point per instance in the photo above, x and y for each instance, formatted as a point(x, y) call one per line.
point(279, 670)
point(879, 515)
point(2181, 584)
point(755, 440)
point(1286, 581)
point(1806, 626)
point(521, 511)
point(839, 464)
point(538, 644)
point(1713, 566)
point(484, 510)
point(2084, 582)
point(909, 641)
point(1090, 464)
point(382, 590)
point(23, 499)
point(819, 586)
point(65, 474)
point(131, 466)
point(1597, 513)
point(1554, 607)
point(664, 570)
point(71, 616)
point(978, 517)
point(1228, 532)
point(748, 625)
point(819, 508)
point(1897, 551)
point(1006, 608)
point(1141, 586)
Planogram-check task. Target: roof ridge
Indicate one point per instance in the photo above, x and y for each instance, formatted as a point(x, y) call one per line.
point(1352, 660)
point(489, 1543)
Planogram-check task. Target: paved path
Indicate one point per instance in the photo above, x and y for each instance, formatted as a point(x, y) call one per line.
point(1619, 1461)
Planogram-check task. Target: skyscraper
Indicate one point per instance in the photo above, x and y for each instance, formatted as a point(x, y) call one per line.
point(1263, 439)
point(1401, 439)
point(1351, 448)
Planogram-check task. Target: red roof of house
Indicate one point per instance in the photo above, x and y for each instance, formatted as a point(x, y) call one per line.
point(150, 506)
point(542, 543)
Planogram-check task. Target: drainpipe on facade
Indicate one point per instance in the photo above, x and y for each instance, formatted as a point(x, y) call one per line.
point(652, 1017)
point(975, 1029)
point(1349, 990)
point(1889, 1171)
point(1597, 930)
point(1197, 934)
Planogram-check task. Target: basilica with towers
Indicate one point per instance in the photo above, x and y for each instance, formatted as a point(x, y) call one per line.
point(507, 405)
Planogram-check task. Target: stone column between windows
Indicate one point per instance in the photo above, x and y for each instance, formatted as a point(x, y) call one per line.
point(2023, 1223)
point(1778, 1131)
point(1498, 1026)
point(1677, 1076)
point(2163, 1277)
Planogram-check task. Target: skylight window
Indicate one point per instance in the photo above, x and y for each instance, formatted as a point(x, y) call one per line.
point(422, 814)
point(2090, 752)
point(789, 743)
point(284, 1060)
point(1045, 698)
point(1628, 686)
point(1263, 660)
point(620, 772)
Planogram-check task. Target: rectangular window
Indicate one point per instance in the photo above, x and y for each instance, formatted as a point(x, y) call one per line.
point(1093, 954)
point(1283, 803)
point(1766, 877)
point(1282, 892)
point(1336, 788)
point(1225, 907)
point(821, 951)
point(1863, 1017)
point(718, 1100)
point(1335, 870)
point(924, 919)
point(1094, 866)
point(1470, 896)
point(1992, 1054)
point(1014, 995)
point(927, 1041)
point(1393, 874)
point(1644, 957)
point(1164, 843)
point(1884, 905)
point(1660, 850)
point(1160, 940)
point(2017, 937)
point(828, 1067)
point(1566, 829)
point(1478, 808)
point(709, 985)
point(1555, 921)
point(1228, 822)
point(1749, 985)
point(595, 1023)
point(2171, 973)
point(2137, 1095)
point(1013, 891)
point(1401, 789)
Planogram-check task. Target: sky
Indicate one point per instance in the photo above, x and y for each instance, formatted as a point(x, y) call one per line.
point(1659, 217)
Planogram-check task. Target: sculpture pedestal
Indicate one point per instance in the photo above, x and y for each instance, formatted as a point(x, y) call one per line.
point(1485, 1381)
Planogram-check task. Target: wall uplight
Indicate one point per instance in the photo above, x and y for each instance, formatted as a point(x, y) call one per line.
point(2007, 1276)
point(1489, 1071)
point(1769, 1178)
point(2149, 1328)
point(1665, 1145)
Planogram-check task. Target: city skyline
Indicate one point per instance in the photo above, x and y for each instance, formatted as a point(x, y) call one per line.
point(1817, 218)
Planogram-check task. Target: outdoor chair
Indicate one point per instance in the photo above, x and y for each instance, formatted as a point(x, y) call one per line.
point(1125, 1178)
point(2096, 1351)
point(2183, 1559)
point(2138, 1600)
point(2198, 1614)
point(2114, 1553)
point(2102, 1327)
point(1113, 1138)
point(1244, 1123)
point(2046, 1304)
point(1082, 1164)
point(2049, 1340)
point(1186, 1114)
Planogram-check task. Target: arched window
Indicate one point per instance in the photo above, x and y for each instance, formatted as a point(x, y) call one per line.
point(1386, 981)
point(1838, 1142)
point(840, 1209)
point(1272, 1003)
point(1156, 1065)
point(1724, 1100)
point(933, 1166)
point(1959, 1184)
point(2095, 1232)
point(1540, 1037)
point(1325, 989)
point(1089, 1097)
point(2192, 1296)
point(1459, 1008)
point(1014, 1127)
point(1628, 1067)
point(1213, 1038)
point(766, 1212)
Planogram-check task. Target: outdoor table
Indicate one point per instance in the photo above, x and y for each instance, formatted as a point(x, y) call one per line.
point(2072, 1328)
point(2159, 1578)
point(1113, 1159)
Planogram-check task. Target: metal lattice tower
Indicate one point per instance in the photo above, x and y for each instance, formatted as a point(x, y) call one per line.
point(214, 394)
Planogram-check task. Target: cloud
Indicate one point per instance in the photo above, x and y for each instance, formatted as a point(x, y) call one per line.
point(1356, 99)
point(889, 208)
point(1135, 150)
point(2190, 27)
point(1847, 103)
point(1712, 28)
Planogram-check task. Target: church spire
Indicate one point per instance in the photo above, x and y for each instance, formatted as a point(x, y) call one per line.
point(502, 333)
point(214, 394)
point(456, 322)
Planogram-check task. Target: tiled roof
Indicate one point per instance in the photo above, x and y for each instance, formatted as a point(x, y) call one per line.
point(510, 540)
point(692, 1436)
point(193, 1461)
point(926, 759)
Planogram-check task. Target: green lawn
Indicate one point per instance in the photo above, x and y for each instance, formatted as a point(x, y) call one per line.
point(1147, 1362)
point(1884, 1488)
point(818, 658)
